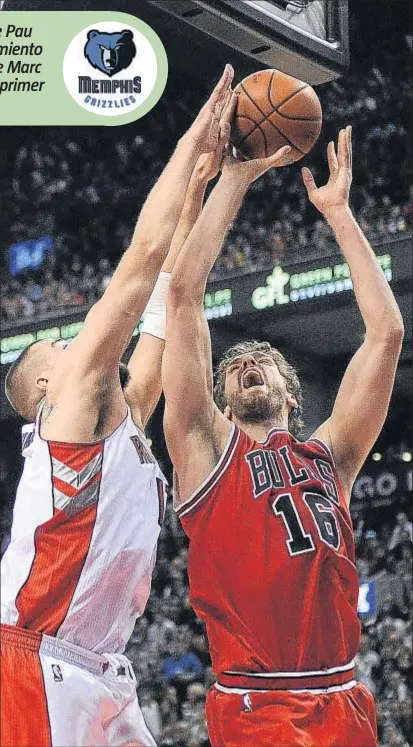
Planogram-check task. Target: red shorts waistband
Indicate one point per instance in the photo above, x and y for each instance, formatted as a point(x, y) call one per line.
point(13, 636)
point(42, 643)
point(307, 680)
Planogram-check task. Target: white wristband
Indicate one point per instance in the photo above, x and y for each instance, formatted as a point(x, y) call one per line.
point(154, 322)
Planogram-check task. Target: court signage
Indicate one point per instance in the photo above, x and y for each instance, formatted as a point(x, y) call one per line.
point(217, 304)
point(228, 298)
point(381, 486)
point(282, 287)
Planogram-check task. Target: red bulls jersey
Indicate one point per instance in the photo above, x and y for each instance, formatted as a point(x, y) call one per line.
point(272, 565)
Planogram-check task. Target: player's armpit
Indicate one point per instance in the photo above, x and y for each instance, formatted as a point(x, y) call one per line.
point(144, 387)
point(361, 405)
point(194, 451)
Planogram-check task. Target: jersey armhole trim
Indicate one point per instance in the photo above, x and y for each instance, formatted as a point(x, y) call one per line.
point(324, 447)
point(329, 453)
point(213, 477)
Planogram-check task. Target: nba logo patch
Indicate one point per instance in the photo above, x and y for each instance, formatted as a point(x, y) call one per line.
point(247, 703)
point(57, 673)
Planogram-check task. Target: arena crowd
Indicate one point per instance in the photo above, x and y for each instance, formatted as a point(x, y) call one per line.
point(85, 188)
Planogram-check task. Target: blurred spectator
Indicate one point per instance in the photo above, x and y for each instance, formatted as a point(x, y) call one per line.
point(151, 712)
point(402, 532)
point(366, 661)
point(181, 666)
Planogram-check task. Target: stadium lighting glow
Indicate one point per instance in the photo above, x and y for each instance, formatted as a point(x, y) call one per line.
point(406, 456)
point(376, 457)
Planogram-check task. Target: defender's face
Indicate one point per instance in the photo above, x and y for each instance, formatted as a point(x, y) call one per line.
point(58, 346)
point(254, 385)
point(55, 349)
point(51, 350)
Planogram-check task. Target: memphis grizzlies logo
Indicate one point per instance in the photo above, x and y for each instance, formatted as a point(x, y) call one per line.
point(113, 67)
point(110, 52)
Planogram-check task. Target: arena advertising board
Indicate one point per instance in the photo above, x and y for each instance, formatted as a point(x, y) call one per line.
point(282, 287)
point(380, 486)
point(250, 293)
point(70, 68)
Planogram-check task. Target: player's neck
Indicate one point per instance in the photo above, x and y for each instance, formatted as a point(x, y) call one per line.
point(260, 431)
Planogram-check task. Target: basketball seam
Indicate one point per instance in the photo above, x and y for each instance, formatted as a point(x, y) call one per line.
point(284, 101)
point(257, 126)
point(271, 123)
point(265, 141)
point(291, 96)
point(300, 119)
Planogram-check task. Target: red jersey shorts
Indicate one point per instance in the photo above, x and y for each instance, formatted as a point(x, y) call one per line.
point(287, 719)
point(54, 694)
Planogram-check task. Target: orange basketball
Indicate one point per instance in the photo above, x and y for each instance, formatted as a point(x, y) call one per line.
point(273, 109)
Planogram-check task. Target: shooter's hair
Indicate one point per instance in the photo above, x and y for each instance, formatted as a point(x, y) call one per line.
point(289, 374)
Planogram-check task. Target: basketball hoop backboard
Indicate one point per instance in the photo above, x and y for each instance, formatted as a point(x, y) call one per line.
point(307, 39)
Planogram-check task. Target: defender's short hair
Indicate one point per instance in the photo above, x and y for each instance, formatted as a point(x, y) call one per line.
point(288, 372)
point(15, 381)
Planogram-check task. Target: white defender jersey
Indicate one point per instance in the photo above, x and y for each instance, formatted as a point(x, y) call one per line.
point(83, 543)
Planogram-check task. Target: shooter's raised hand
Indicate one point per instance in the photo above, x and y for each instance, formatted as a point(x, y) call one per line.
point(205, 131)
point(249, 171)
point(335, 194)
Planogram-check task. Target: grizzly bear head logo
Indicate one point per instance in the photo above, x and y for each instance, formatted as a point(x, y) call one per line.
point(110, 53)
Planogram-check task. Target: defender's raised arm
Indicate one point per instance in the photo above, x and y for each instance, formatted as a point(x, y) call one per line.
point(88, 368)
point(143, 392)
point(115, 316)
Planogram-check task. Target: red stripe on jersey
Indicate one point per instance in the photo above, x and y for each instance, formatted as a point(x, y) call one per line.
point(75, 456)
point(24, 716)
point(61, 547)
point(76, 480)
point(69, 490)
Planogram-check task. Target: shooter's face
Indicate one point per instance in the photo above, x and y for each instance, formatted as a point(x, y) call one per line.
point(255, 389)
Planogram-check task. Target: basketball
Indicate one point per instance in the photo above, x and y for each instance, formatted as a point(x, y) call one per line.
point(273, 110)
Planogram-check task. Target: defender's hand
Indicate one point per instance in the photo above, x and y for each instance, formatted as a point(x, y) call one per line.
point(249, 171)
point(204, 132)
point(209, 164)
point(335, 194)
